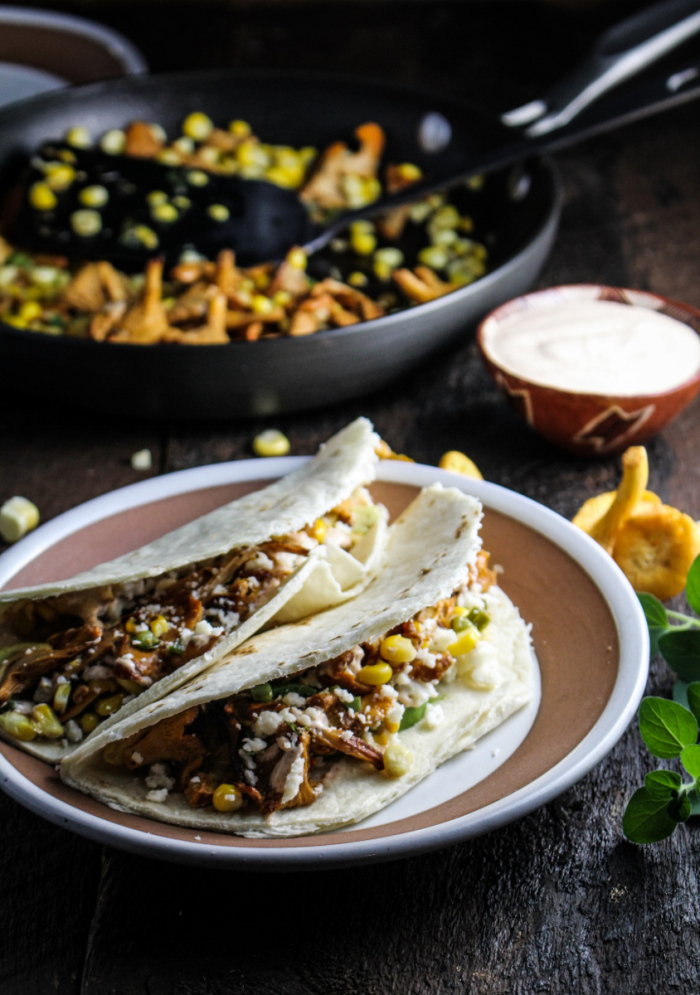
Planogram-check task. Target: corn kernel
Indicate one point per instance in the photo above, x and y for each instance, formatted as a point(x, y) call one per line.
point(475, 182)
point(375, 674)
point(130, 625)
point(183, 203)
point(113, 142)
point(363, 242)
point(282, 298)
point(17, 726)
point(197, 126)
point(197, 178)
point(241, 129)
point(386, 261)
point(219, 212)
point(95, 196)
point(262, 304)
point(456, 462)
point(107, 706)
point(434, 256)
point(398, 759)
point(169, 157)
point(308, 154)
point(156, 197)
point(42, 197)
point(131, 687)
point(285, 176)
point(86, 222)
point(89, 722)
point(79, 137)
point(59, 175)
point(358, 279)
point(297, 258)
point(46, 723)
point(446, 216)
point(165, 213)
point(227, 798)
point(145, 235)
point(397, 649)
point(30, 311)
point(465, 642)
point(409, 171)
point(60, 698)
point(271, 442)
point(18, 516)
point(159, 626)
point(319, 530)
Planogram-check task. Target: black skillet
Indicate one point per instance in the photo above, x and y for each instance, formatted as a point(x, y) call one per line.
point(517, 212)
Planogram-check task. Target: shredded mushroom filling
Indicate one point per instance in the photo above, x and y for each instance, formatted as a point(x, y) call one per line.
point(83, 655)
point(274, 745)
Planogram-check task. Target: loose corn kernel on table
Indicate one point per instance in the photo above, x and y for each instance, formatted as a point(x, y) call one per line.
point(558, 902)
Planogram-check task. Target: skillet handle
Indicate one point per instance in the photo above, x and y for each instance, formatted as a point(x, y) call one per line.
point(620, 53)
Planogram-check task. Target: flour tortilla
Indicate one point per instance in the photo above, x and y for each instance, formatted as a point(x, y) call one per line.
point(329, 576)
point(428, 554)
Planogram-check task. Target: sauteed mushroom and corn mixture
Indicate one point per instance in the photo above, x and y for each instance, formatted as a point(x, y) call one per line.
point(69, 661)
point(53, 280)
point(272, 746)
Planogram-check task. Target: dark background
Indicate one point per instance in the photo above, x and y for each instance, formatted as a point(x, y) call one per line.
point(556, 903)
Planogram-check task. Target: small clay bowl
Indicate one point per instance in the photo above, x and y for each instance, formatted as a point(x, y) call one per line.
point(590, 424)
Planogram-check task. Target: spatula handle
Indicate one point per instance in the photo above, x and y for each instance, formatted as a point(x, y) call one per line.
point(620, 53)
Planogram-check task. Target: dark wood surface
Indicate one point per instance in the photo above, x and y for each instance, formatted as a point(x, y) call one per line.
point(558, 902)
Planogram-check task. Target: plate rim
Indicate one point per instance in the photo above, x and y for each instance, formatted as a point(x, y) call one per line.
point(605, 733)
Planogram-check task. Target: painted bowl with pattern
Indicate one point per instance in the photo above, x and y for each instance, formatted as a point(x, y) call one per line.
point(589, 424)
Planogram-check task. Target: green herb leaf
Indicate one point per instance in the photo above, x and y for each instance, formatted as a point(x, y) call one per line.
point(694, 799)
point(681, 649)
point(305, 690)
point(646, 819)
point(666, 727)
point(692, 694)
point(412, 716)
point(679, 808)
point(654, 611)
point(690, 758)
point(692, 586)
point(662, 783)
point(679, 693)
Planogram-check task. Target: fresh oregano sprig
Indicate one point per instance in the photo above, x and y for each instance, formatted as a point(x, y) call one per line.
point(670, 728)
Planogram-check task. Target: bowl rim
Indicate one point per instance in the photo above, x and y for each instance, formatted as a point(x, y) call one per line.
point(541, 293)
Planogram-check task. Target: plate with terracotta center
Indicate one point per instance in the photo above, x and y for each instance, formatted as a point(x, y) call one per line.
point(589, 635)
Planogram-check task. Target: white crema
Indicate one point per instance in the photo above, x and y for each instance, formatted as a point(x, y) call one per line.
point(596, 347)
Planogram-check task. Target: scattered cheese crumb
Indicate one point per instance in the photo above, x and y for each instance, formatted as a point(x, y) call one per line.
point(18, 516)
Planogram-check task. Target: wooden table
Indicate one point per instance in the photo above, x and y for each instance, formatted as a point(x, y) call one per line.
point(558, 902)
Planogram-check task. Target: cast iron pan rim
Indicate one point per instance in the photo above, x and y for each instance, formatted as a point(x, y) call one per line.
point(130, 83)
point(142, 81)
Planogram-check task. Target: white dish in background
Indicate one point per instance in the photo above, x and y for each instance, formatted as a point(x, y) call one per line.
point(42, 50)
point(562, 579)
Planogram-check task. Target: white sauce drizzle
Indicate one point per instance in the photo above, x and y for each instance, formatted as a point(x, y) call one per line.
point(595, 347)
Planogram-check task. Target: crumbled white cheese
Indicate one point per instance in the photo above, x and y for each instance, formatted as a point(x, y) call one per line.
point(261, 561)
point(158, 777)
point(97, 672)
point(415, 693)
point(387, 691)
point(481, 669)
point(294, 779)
point(294, 699)
point(157, 795)
point(204, 628)
point(426, 658)
point(346, 735)
point(73, 731)
point(395, 713)
point(137, 758)
point(434, 715)
point(289, 714)
point(287, 562)
point(442, 638)
point(267, 723)
point(253, 745)
point(345, 696)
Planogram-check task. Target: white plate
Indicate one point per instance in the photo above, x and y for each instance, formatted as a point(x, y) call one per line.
point(423, 818)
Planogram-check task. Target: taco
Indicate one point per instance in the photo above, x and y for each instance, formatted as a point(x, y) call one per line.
point(318, 724)
point(75, 653)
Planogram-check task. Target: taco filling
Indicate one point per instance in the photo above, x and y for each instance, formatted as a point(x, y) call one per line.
point(74, 659)
point(275, 746)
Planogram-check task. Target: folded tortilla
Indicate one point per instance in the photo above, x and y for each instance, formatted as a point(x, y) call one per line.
point(326, 576)
point(430, 554)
